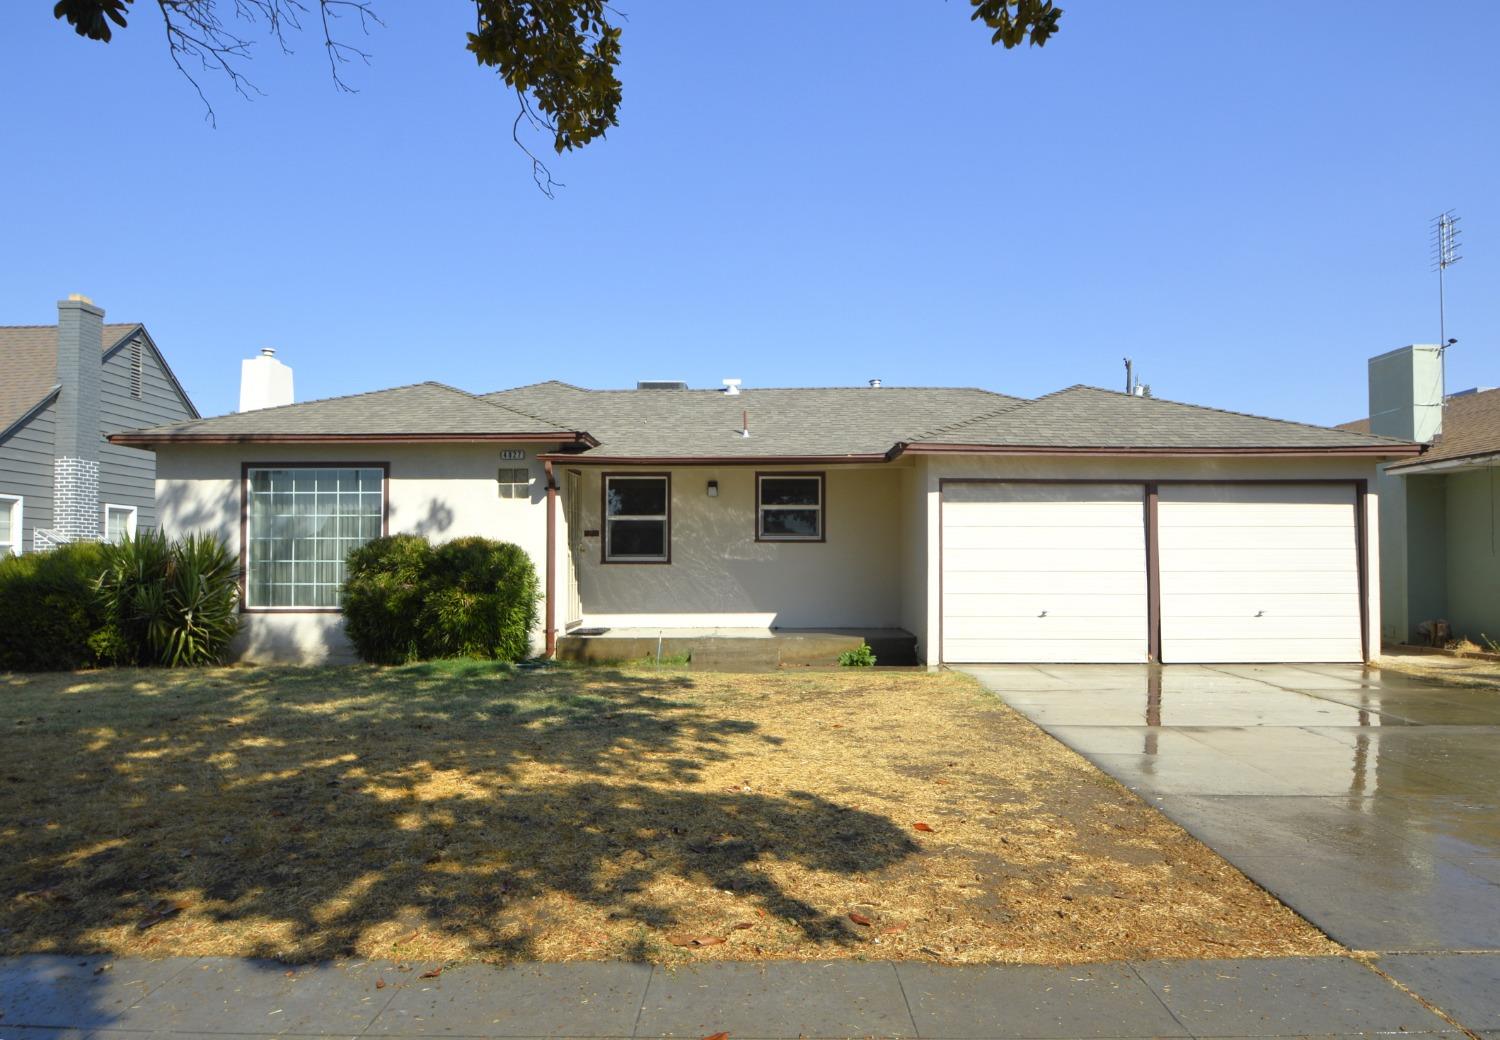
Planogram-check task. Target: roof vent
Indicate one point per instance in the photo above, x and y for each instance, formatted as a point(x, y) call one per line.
point(732, 386)
point(661, 384)
point(874, 384)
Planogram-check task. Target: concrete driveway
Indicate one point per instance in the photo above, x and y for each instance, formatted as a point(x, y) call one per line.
point(1367, 801)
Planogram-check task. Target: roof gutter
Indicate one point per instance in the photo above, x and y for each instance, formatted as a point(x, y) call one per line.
point(1491, 458)
point(1378, 451)
point(153, 440)
point(715, 460)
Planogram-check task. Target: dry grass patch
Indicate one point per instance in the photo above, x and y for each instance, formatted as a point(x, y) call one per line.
point(459, 811)
point(1474, 673)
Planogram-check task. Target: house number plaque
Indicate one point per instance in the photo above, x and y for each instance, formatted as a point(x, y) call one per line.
point(512, 454)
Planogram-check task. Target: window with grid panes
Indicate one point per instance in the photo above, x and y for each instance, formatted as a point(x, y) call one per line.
point(301, 523)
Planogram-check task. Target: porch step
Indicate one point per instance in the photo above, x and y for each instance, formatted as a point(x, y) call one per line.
point(758, 652)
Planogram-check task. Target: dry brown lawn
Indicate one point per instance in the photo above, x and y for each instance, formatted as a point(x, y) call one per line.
point(1453, 671)
point(463, 812)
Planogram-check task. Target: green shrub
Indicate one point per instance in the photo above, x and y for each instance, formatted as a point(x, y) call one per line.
point(481, 601)
point(168, 603)
point(383, 596)
point(405, 600)
point(858, 657)
point(48, 609)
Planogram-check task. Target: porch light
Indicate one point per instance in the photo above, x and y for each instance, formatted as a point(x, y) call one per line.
point(713, 489)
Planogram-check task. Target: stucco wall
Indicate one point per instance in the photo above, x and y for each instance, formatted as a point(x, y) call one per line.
point(1473, 553)
point(914, 562)
point(1131, 469)
point(720, 576)
point(441, 491)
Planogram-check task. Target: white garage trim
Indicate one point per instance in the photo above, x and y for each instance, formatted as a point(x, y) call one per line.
point(1307, 585)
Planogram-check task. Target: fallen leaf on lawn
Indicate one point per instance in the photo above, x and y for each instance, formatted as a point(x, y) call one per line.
point(859, 918)
point(434, 973)
point(717, 1036)
point(158, 913)
point(742, 925)
point(697, 940)
point(895, 929)
point(923, 827)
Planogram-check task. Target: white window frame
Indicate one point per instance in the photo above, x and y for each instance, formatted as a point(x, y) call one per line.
point(133, 511)
point(820, 509)
point(609, 555)
point(17, 506)
point(247, 540)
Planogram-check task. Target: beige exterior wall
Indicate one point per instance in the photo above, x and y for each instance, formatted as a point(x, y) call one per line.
point(441, 491)
point(720, 576)
point(939, 467)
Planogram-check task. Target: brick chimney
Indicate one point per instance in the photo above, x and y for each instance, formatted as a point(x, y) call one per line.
point(75, 456)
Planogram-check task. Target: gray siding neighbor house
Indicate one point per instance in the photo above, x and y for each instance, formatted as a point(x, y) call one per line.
point(66, 387)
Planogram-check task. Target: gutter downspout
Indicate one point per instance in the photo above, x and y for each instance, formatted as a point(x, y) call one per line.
point(551, 650)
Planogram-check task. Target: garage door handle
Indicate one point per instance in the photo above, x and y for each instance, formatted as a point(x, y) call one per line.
point(1042, 614)
point(1260, 613)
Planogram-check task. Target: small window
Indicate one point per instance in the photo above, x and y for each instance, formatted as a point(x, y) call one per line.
point(515, 483)
point(119, 523)
point(137, 369)
point(637, 512)
point(789, 507)
point(10, 526)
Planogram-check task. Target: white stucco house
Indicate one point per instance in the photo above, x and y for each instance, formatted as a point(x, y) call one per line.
point(1086, 525)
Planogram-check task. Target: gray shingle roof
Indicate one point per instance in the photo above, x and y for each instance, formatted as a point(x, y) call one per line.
point(803, 423)
point(28, 364)
point(830, 422)
point(1083, 417)
point(1471, 427)
point(422, 410)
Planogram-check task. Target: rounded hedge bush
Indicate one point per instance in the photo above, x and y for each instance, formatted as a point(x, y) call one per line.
point(49, 609)
point(406, 600)
point(383, 597)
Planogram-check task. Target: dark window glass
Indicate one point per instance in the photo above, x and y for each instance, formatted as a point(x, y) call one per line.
point(636, 496)
point(637, 538)
point(790, 491)
point(802, 523)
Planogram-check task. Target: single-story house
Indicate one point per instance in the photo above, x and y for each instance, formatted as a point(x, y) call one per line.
point(1086, 525)
point(64, 387)
point(1440, 555)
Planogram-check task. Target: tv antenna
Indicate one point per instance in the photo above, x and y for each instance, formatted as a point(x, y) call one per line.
point(1445, 245)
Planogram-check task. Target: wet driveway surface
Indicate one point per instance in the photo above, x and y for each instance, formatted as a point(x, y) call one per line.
point(1368, 801)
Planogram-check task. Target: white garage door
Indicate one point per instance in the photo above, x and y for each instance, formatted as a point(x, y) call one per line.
point(1258, 572)
point(1044, 572)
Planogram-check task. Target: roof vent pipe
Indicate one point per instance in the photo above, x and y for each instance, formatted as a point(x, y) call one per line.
point(732, 386)
point(744, 424)
point(874, 384)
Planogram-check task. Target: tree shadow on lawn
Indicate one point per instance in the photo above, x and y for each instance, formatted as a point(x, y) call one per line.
point(311, 814)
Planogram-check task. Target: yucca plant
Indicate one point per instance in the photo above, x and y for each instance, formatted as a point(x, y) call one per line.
point(171, 603)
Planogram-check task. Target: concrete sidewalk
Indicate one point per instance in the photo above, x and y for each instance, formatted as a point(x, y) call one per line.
point(59, 997)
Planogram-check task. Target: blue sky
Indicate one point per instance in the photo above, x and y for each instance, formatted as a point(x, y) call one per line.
point(798, 194)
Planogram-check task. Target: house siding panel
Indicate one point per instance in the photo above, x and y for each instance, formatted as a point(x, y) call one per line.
point(1473, 553)
point(26, 470)
point(127, 476)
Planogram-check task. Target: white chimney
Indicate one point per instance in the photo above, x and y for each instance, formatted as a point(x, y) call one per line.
point(264, 382)
point(731, 386)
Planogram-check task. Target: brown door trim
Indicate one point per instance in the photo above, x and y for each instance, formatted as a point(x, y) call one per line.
point(1153, 578)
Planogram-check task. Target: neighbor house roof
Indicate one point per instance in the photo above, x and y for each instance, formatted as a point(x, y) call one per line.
point(1087, 419)
point(1471, 429)
point(811, 424)
point(420, 412)
point(28, 362)
point(808, 422)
